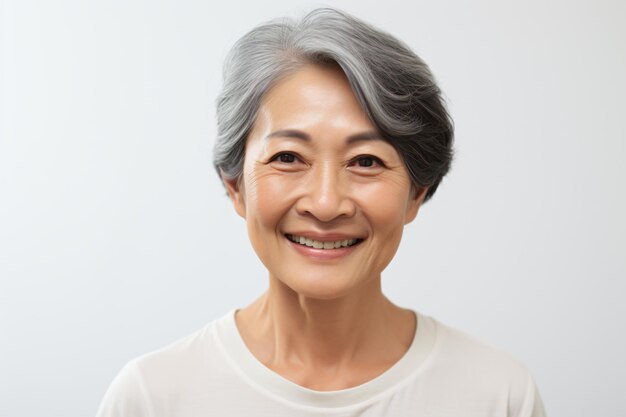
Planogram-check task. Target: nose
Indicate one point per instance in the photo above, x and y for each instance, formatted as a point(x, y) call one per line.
point(326, 195)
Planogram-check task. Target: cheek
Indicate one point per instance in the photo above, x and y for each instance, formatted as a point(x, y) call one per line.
point(268, 200)
point(385, 206)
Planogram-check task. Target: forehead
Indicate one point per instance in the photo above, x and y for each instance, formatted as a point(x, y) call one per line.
point(314, 97)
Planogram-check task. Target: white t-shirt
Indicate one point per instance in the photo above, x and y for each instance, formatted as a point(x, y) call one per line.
point(444, 373)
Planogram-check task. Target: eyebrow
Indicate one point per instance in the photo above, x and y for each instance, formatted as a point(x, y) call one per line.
point(298, 134)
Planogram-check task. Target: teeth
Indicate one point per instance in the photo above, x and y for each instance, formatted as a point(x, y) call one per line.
point(317, 244)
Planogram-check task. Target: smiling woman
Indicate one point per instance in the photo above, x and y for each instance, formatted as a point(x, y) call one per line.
point(332, 134)
point(323, 174)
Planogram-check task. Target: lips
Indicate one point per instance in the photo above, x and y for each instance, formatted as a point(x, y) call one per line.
point(321, 247)
point(326, 244)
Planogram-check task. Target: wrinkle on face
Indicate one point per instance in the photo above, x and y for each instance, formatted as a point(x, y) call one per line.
point(324, 189)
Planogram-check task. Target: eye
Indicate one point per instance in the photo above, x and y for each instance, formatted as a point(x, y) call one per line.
point(284, 157)
point(367, 161)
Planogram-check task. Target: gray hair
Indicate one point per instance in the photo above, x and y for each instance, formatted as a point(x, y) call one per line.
point(393, 85)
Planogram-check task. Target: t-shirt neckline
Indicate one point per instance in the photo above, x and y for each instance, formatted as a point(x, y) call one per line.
point(275, 385)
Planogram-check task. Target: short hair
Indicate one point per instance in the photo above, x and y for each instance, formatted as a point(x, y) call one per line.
point(395, 88)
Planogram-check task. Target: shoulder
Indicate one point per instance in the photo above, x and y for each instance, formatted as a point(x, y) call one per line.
point(178, 358)
point(473, 354)
point(126, 395)
point(147, 381)
point(477, 369)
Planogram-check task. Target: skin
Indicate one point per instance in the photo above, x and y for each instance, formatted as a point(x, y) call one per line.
point(323, 323)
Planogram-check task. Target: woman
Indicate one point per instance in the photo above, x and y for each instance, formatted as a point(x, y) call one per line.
point(332, 134)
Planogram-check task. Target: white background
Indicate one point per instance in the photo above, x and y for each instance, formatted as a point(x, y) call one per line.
point(116, 237)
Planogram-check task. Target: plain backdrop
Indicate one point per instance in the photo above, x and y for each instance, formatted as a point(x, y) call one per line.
point(116, 237)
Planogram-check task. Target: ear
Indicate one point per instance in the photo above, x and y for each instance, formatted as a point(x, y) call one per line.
point(414, 204)
point(235, 191)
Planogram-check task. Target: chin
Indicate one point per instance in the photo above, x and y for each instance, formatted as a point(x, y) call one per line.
point(322, 288)
point(324, 294)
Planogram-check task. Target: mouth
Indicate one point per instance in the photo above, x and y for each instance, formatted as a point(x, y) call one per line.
point(323, 244)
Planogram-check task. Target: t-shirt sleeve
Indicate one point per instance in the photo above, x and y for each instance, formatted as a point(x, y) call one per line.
point(532, 405)
point(126, 396)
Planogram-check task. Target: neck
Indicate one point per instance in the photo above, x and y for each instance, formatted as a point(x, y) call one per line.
point(283, 328)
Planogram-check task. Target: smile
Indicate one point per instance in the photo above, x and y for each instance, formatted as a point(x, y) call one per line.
point(318, 244)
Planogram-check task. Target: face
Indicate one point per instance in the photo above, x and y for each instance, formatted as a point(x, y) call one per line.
point(324, 197)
